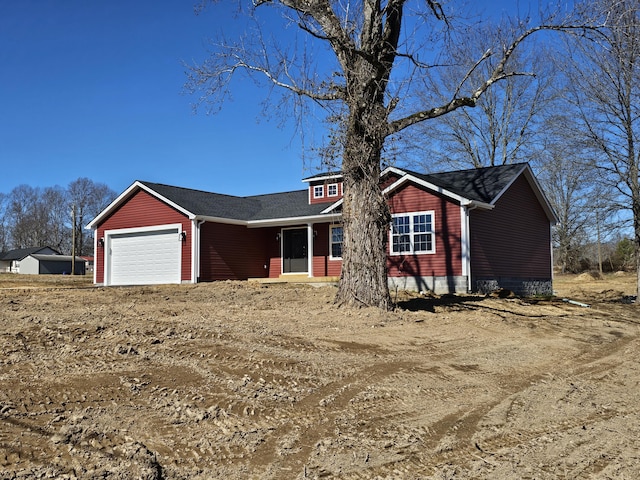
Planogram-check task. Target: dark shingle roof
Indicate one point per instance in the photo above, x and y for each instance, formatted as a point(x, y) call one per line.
point(257, 207)
point(20, 253)
point(480, 184)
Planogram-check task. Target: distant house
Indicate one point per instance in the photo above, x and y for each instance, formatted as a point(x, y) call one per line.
point(88, 262)
point(470, 230)
point(39, 264)
point(10, 261)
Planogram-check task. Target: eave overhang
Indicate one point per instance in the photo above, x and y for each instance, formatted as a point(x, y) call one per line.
point(272, 222)
point(323, 176)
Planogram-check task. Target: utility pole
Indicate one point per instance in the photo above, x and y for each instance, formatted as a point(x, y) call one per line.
point(599, 239)
point(73, 239)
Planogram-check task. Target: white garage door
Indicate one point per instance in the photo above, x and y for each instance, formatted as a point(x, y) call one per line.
point(144, 258)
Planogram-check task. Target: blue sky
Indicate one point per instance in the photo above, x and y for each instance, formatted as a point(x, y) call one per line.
point(95, 89)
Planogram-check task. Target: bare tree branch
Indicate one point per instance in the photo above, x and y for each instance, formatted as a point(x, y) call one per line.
point(497, 75)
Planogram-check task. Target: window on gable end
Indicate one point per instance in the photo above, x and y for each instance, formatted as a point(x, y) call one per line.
point(412, 233)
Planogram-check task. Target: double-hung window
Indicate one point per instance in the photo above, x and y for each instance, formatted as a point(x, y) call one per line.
point(332, 190)
point(335, 241)
point(412, 233)
point(318, 191)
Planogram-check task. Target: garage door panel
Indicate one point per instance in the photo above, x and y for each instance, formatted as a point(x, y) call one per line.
point(143, 258)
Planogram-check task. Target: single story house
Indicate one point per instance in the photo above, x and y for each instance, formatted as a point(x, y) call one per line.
point(42, 264)
point(453, 232)
point(10, 261)
point(88, 262)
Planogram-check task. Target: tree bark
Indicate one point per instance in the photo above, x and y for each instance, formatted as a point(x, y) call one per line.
point(365, 214)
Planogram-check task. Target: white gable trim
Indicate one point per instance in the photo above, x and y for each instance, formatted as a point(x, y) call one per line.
point(332, 207)
point(395, 170)
point(323, 177)
point(430, 186)
point(124, 196)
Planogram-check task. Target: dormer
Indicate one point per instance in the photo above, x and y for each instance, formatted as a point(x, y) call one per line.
point(325, 187)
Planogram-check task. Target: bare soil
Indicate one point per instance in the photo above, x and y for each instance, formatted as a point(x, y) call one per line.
point(239, 380)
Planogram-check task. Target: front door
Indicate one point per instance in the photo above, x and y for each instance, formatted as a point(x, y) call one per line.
point(294, 251)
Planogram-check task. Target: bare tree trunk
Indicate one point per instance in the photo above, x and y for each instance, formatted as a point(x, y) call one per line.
point(365, 214)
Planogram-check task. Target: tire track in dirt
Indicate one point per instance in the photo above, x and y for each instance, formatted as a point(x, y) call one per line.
point(453, 435)
point(319, 411)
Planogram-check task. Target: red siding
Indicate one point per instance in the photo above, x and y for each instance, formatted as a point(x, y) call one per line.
point(273, 252)
point(144, 210)
point(323, 266)
point(233, 252)
point(388, 179)
point(447, 261)
point(325, 197)
point(513, 239)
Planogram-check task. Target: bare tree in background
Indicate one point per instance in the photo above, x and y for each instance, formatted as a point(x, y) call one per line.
point(362, 61)
point(54, 201)
point(88, 198)
point(605, 81)
point(569, 184)
point(38, 217)
point(28, 217)
point(505, 126)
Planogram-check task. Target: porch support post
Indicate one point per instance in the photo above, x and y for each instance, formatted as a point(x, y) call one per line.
point(310, 249)
point(466, 244)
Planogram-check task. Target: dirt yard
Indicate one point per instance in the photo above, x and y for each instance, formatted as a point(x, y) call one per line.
point(237, 380)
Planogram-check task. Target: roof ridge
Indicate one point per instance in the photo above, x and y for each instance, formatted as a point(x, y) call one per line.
point(151, 184)
point(411, 171)
point(277, 193)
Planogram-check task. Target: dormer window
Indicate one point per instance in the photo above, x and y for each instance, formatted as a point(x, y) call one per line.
point(325, 188)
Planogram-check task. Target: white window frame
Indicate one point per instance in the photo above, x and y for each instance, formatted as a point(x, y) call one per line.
point(331, 242)
point(411, 233)
point(318, 189)
point(330, 187)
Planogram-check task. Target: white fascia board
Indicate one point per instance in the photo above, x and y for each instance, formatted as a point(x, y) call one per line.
point(277, 222)
point(325, 177)
point(227, 221)
point(125, 195)
point(118, 201)
point(272, 222)
point(395, 170)
point(332, 207)
point(410, 178)
point(190, 215)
